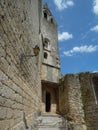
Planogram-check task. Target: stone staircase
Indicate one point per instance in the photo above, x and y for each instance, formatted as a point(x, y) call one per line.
point(51, 122)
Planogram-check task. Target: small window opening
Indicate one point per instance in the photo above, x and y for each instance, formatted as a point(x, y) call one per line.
point(45, 55)
point(51, 20)
point(45, 15)
point(46, 43)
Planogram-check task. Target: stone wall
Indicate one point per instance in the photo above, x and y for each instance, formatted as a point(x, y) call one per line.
point(51, 74)
point(20, 83)
point(89, 88)
point(51, 64)
point(78, 100)
point(70, 103)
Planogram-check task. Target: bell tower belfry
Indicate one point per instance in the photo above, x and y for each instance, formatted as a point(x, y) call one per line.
point(50, 73)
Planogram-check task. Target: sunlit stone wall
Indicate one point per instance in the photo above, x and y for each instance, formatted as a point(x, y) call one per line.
point(20, 83)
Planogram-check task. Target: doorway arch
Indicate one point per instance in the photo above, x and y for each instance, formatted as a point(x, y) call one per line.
point(48, 102)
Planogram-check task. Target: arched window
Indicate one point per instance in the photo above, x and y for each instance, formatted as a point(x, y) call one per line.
point(45, 55)
point(46, 43)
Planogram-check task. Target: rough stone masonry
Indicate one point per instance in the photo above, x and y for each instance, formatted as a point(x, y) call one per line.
point(78, 100)
point(20, 78)
point(20, 83)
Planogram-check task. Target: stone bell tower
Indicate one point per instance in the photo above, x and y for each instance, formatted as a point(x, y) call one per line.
point(50, 62)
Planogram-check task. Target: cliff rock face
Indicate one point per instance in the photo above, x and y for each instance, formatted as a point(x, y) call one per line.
point(20, 83)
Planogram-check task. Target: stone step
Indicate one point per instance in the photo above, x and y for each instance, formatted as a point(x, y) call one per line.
point(51, 122)
point(49, 129)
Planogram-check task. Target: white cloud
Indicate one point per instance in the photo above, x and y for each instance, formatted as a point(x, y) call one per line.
point(64, 36)
point(95, 71)
point(95, 28)
point(63, 4)
point(81, 49)
point(95, 7)
point(69, 3)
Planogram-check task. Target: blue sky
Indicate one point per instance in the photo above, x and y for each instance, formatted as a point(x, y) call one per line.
point(77, 34)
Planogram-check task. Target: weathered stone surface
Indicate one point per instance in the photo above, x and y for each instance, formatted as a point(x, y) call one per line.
point(20, 79)
point(89, 86)
point(50, 64)
point(78, 100)
point(70, 101)
point(20, 82)
point(51, 122)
